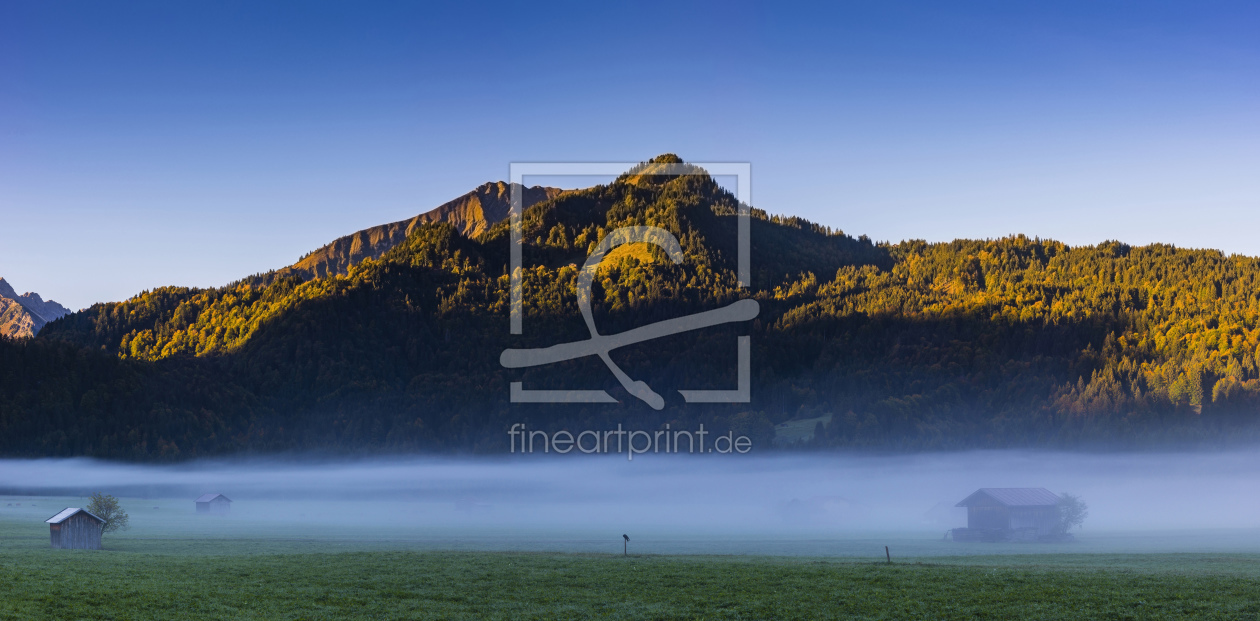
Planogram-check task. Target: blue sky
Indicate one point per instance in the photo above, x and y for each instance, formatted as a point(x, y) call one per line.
point(190, 143)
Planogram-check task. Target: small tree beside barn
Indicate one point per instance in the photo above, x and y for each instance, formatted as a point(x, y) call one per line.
point(214, 503)
point(107, 508)
point(76, 529)
point(1072, 513)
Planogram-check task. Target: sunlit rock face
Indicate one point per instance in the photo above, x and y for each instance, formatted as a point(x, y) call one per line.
point(22, 316)
point(471, 214)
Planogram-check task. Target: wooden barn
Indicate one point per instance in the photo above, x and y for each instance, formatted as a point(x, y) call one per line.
point(75, 529)
point(214, 503)
point(1009, 514)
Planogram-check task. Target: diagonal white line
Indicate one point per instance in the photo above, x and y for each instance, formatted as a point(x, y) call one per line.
point(742, 310)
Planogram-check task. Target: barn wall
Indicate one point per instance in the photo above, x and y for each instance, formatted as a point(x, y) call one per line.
point(77, 532)
point(985, 517)
point(1044, 519)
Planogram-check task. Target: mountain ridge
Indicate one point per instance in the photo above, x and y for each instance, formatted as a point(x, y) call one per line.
point(1013, 342)
point(471, 214)
point(23, 316)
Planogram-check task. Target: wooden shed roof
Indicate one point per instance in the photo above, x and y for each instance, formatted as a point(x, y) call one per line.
point(209, 497)
point(67, 512)
point(1013, 496)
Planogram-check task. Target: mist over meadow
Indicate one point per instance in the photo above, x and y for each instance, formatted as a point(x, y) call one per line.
point(778, 495)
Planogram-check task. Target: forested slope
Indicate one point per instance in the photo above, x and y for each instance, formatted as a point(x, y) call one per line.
point(996, 343)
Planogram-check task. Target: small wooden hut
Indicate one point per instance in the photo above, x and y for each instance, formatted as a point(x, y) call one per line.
point(1009, 514)
point(76, 529)
point(214, 503)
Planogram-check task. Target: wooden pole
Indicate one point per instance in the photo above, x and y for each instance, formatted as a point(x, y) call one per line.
point(888, 554)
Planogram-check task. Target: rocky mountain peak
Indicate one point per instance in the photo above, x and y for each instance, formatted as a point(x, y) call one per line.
point(23, 316)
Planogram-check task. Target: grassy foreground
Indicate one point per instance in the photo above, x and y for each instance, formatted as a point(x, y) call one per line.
point(175, 565)
point(474, 585)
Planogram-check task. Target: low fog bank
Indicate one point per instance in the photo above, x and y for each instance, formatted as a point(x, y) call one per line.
point(770, 495)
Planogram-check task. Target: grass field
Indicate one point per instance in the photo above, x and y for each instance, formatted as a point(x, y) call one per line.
point(194, 568)
point(472, 585)
point(798, 430)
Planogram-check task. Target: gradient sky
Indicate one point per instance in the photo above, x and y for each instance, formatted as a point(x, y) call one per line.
point(191, 143)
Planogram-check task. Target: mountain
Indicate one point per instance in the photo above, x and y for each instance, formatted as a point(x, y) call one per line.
point(22, 316)
point(1012, 342)
point(471, 214)
point(16, 321)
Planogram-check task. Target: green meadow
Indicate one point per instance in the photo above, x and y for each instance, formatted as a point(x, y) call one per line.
point(175, 565)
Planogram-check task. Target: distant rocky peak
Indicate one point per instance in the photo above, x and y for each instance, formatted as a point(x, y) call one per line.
point(22, 316)
point(45, 311)
point(6, 290)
